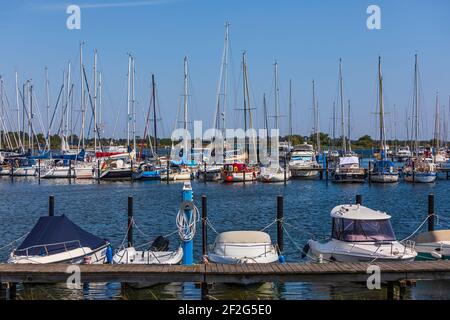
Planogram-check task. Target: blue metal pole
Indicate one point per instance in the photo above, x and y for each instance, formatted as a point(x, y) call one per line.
point(188, 246)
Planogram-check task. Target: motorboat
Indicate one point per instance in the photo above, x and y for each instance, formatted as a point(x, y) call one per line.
point(60, 169)
point(348, 170)
point(274, 174)
point(384, 171)
point(177, 174)
point(403, 154)
point(420, 170)
point(433, 245)
point(212, 173)
point(235, 247)
point(115, 169)
point(239, 172)
point(158, 253)
point(84, 170)
point(360, 234)
point(56, 239)
point(147, 171)
point(303, 162)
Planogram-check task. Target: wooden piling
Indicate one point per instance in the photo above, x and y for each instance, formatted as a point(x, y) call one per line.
point(359, 199)
point(204, 172)
point(39, 171)
point(390, 291)
point(204, 226)
point(280, 242)
point(286, 168)
point(167, 169)
point(370, 172)
point(431, 212)
point(414, 172)
point(12, 291)
point(98, 171)
point(51, 206)
point(130, 221)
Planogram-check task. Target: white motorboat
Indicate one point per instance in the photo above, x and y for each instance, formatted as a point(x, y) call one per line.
point(84, 170)
point(234, 247)
point(182, 174)
point(420, 170)
point(158, 253)
point(29, 171)
point(303, 162)
point(360, 234)
point(56, 239)
point(433, 245)
point(403, 154)
point(274, 174)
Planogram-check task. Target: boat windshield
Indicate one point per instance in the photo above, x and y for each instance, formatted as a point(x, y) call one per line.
point(301, 158)
point(362, 230)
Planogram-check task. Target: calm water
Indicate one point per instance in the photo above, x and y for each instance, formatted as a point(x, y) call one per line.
point(102, 210)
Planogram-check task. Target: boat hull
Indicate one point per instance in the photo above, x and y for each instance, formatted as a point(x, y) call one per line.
point(384, 178)
point(349, 178)
point(116, 174)
point(420, 177)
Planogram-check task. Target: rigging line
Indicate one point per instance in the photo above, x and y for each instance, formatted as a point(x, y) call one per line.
point(14, 241)
point(420, 226)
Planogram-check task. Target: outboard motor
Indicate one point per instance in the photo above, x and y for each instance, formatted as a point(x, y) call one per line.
point(160, 244)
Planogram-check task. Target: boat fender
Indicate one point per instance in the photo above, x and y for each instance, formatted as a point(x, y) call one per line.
point(281, 259)
point(305, 250)
point(436, 255)
point(109, 254)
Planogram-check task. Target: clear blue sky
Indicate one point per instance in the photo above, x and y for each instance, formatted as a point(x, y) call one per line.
point(307, 38)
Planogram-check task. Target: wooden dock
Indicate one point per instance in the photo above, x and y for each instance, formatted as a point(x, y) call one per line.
point(216, 273)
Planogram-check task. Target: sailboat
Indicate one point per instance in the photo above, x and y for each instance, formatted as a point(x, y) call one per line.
point(383, 169)
point(420, 168)
point(274, 172)
point(243, 171)
point(303, 162)
point(348, 168)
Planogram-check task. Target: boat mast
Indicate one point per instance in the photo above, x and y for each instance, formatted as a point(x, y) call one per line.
point(100, 91)
point(222, 86)
point(2, 113)
point(344, 144)
point(69, 70)
point(95, 100)
point(31, 119)
point(18, 110)
point(266, 121)
point(349, 127)
point(334, 125)
point(315, 116)
point(381, 106)
point(128, 99)
point(82, 137)
point(416, 108)
point(290, 113)
point(47, 93)
point(185, 96)
point(437, 124)
point(277, 98)
point(133, 101)
point(155, 137)
point(244, 71)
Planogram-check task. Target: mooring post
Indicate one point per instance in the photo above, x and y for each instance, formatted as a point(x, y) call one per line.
point(70, 171)
point(280, 242)
point(130, 221)
point(204, 226)
point(431, 212)
point(390, 290)
point(286, 168)
point(188, 245)
point(244, 174)
point(51, 206)
point(359, 199)
point(370, 172)
point(12, 291)
point(327, 168)
point(12, 171)
point(414, 171)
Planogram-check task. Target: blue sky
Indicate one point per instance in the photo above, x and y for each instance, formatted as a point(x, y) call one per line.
point(307, 38)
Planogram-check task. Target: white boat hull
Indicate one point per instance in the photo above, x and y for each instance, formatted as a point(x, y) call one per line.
point(384, 178)
point(131, 256)
point(421, 177)
point(59, 173)
point(25, 172)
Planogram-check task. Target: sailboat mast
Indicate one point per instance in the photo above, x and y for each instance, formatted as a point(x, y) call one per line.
point(69, 70)
point(133, 111)
point(416, 108)
point(290, 113)
point(222, 86)
point(381, 102)
point(437, 124)
point(334, 124)
point(277, 98)
point(155, 137)
point(95, 100)
point(100, 91)
point(344, 144)
point(47, 94)
point(349, 127)
point(18, 109)
point(185, 109)
point(128, 99)
point(82, 99)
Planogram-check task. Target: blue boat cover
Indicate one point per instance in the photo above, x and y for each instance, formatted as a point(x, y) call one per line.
point(383, 166)
point(55, 234)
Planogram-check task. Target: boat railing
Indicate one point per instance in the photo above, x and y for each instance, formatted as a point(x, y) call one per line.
point(47, 247)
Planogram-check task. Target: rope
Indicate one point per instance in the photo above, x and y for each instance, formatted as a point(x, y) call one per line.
point(13, 242)
point(271, 224)
point(208, 222)
point(187, 227)
point(418, 228)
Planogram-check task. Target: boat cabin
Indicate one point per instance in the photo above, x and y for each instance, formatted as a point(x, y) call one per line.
point(356, 223)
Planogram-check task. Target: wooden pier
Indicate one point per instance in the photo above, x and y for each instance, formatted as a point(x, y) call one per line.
point(217, 273)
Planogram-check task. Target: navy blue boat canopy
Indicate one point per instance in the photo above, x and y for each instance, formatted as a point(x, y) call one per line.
point(55, 234)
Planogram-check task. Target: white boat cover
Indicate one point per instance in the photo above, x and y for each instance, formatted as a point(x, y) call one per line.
point(243, 237)
point(348, 160)
point(357, 212)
